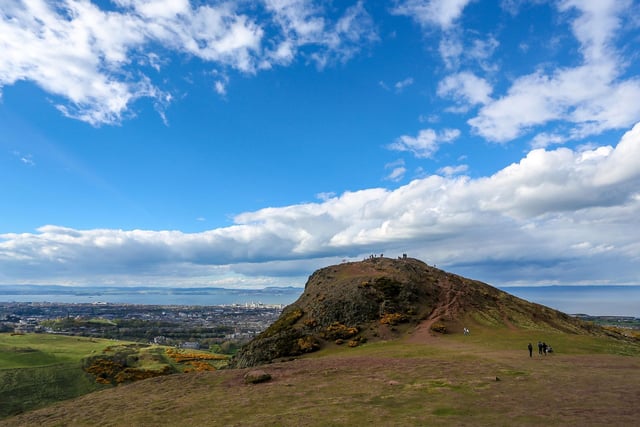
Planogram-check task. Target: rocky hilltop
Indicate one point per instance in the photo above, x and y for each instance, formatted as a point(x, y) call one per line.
point(384, 298)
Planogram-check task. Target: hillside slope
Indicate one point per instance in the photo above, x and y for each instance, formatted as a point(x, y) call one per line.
point(483, 379)
point(383, 298)
point(416, 368)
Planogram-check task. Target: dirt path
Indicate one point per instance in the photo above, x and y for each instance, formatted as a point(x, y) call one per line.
point(448, 306)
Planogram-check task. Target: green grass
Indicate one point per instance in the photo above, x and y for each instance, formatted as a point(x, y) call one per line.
point(504, 339)
point(448, 411)
point(25, 389)
point(39, 369)
point(45, 349)
point(483, 379)
point(23, 357)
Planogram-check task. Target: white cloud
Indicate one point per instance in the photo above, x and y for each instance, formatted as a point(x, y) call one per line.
point(591, 96)
point(440, 13)
point(454, 51)
point(586, 96)
point(398, 86)
point(325, 196)
point(453, 170)
point(451, 49)
point(466, 89)
point(27, 159)
point(426, 143)
point(220, 86)
point(396, 174)
point(483, 49)
point(85, 56)
point(402, 84)
point(303, 26)
point(543, 140)
point(81, 53)
point(398, 170)
point(596, 25)
point(556, 209)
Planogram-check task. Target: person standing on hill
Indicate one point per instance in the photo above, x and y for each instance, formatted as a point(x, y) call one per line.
point(540, 347)
point(530, 347)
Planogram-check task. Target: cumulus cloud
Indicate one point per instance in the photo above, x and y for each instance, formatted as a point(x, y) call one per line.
point(551, 211)
point(90, 58)
point(82, 54)
point(591, 96)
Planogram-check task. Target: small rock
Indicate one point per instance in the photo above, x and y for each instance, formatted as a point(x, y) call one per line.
point(256, 376)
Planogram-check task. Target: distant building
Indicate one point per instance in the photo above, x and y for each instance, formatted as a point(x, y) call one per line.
point(161, 339)
point(27, 327)
point(191, 345)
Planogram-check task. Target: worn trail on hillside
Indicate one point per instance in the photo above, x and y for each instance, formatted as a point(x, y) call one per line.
point(448, 306)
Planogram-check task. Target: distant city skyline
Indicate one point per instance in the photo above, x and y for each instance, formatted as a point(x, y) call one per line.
point(246, 144)
point(592, 300)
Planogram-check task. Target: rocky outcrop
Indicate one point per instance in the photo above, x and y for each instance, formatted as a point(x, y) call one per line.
point(383, 298)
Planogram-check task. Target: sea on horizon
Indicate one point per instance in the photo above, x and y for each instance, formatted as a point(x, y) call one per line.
point(597, 300)
point(594, 300)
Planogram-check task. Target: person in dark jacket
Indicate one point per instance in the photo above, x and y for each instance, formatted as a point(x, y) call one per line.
point(530, 347)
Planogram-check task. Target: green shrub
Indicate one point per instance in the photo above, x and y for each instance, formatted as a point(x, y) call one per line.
point(439, 328)
point(337, 330)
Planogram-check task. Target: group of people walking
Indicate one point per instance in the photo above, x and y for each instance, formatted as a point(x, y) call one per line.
point(543, 348)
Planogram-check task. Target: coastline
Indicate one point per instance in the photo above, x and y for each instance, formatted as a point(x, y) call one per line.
point(596, 300)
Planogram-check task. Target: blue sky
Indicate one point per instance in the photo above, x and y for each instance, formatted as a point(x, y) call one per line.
point(246, 144)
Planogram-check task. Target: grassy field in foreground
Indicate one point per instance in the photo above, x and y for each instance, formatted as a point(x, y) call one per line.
point(486, 378)
point(39, 369)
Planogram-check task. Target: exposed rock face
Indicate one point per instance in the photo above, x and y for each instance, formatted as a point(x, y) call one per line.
point(383, 298)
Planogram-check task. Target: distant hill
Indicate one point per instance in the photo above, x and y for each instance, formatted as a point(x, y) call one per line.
point(383, 298)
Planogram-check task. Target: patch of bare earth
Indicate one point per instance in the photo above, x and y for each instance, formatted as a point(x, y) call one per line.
point(448, 307)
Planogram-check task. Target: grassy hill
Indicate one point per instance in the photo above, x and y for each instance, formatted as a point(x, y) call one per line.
point(40, 369)
point(36, 370)
point(382, 298)
point(486, 378)
point(380, 342)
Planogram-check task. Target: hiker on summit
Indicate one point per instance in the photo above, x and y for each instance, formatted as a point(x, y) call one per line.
point(530, 347)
